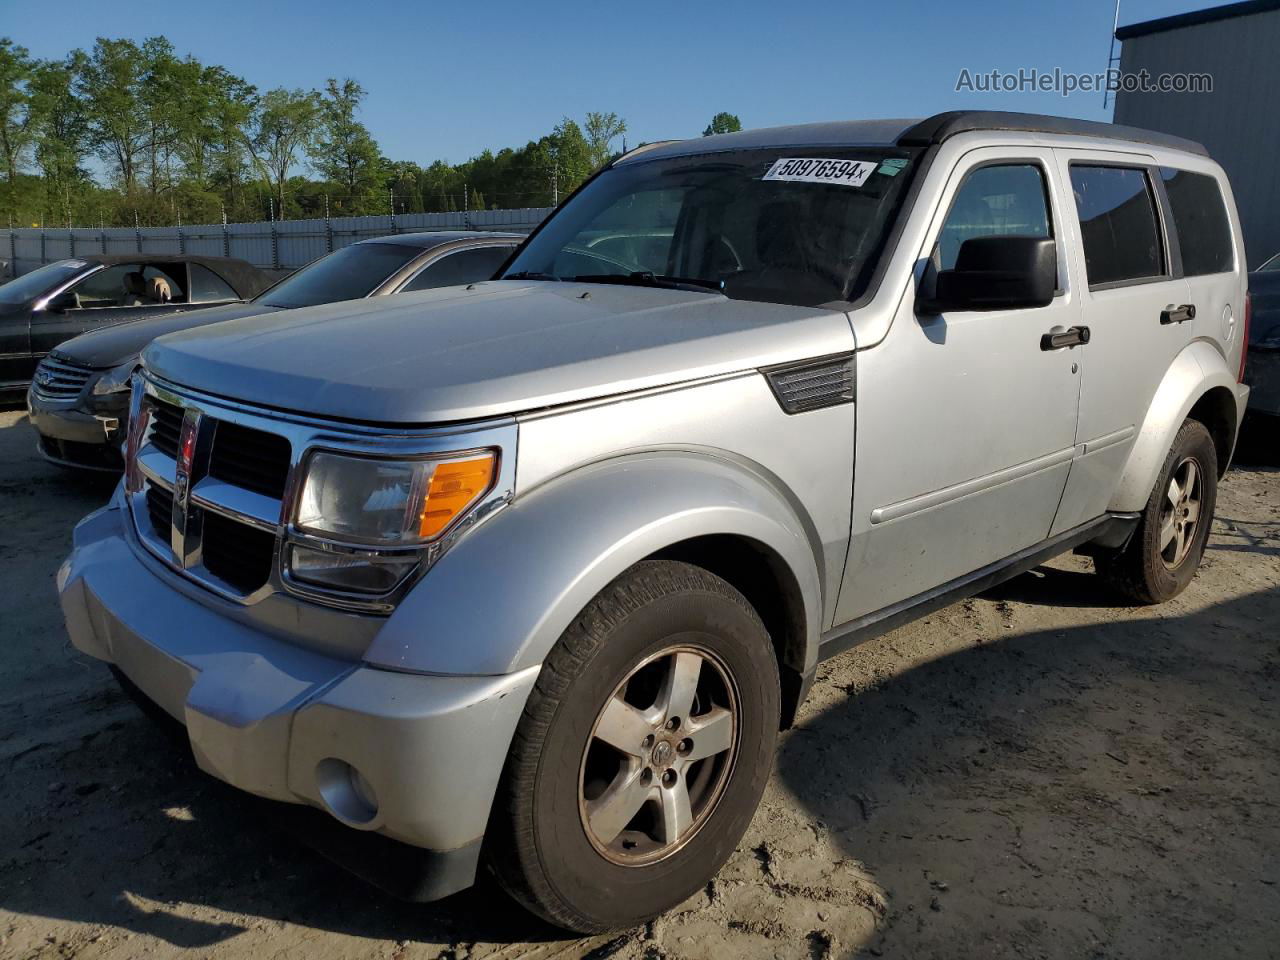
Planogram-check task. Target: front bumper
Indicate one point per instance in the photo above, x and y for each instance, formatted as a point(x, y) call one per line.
point(1262, 374)
point(72, 436)
point(291, 724)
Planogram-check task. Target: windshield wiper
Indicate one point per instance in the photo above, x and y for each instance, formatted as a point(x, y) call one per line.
point(529, 275)
point(643, 278)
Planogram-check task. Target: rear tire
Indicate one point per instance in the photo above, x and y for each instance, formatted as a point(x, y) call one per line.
point(1164, 553)
point(595, 832)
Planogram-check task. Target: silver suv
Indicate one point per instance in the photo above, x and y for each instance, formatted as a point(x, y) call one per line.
point(531, 572)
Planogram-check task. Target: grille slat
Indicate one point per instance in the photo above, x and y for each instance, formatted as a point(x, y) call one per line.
point(59, 379)
point(237, 553)
point(160, 510)
point(249, 458)
point(166, 427)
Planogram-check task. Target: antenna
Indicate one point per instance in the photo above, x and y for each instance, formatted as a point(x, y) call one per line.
point(1112, 57)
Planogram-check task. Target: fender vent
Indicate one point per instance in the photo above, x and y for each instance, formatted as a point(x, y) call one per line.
point(813, 384)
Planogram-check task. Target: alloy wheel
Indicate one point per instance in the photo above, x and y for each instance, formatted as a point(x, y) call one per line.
point(1180, 513)
point(659, 756)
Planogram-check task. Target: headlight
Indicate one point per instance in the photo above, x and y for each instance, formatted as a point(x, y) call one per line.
point(376, 512)
point(115, 380)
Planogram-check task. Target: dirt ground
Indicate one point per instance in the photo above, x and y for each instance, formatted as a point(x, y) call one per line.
point(1038, 772)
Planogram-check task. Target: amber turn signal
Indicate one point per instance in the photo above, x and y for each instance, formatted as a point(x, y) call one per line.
point(455, 486)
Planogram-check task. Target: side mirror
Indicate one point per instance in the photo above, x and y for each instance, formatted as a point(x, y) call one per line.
point(993, 273)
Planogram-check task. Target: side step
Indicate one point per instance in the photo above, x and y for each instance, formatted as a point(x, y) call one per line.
point(1111, 530)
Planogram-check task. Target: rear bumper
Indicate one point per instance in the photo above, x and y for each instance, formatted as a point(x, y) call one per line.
point(80, 438)
point(294, 725)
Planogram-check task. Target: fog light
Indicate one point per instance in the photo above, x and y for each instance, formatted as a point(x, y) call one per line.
point(346, 792)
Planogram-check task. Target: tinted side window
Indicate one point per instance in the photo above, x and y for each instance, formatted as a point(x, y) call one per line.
point(465, 266)
point(1118, 223)
point(106, 288)
point(1200, 216)
point(207, 286)
point(1004, 200)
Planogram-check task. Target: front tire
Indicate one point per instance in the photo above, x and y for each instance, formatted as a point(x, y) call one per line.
point(642, 753)
point(1165, 551)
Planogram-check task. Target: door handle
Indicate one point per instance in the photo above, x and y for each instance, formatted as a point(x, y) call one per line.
point(1060, 337)
point(1181, 314)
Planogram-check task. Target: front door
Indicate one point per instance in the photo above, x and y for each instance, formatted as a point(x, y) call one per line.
point(965, 425)
point(109, 296)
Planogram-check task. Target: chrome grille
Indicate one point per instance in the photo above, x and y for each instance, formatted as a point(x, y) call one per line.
point(57, 379)
point(208, 483)
point(211, 533)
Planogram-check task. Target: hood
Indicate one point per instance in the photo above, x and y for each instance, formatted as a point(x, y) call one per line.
point(122, 342)
point(495, 348)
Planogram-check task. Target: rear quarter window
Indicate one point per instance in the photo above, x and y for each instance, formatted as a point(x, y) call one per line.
point(1118, 224)
point(1200, 217)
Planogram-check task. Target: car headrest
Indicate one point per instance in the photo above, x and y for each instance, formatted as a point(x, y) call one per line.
point(135, 283)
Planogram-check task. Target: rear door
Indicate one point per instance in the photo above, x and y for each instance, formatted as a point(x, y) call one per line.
point(1120, 241)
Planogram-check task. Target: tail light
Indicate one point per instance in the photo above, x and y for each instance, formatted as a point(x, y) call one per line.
point(1244, 339)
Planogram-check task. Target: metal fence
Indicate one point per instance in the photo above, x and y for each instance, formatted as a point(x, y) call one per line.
point(272, 245)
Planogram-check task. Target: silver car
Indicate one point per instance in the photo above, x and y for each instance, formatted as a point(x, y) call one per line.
point(530, 573)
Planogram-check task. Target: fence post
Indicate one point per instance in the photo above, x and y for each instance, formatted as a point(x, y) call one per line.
point(182, 237)
point(392, 194)
point(328, 227)
point(226, 237)
point(137, 231)
point(275, 250)
point(71, 240)
point(42, 256)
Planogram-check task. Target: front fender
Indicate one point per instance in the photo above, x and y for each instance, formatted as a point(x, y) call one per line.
point(1198, 369)
point(500, 599)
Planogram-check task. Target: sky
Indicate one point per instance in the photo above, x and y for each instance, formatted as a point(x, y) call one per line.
point(448, 80)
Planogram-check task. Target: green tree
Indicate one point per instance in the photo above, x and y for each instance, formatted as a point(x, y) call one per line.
point(60, 130)
point(16, 69)
point(723, 123)
point(110, 81)
point(344, 152)
point(280, 130)
point(571, 155)
point(601, 130)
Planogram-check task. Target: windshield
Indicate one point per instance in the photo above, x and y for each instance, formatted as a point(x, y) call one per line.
point(786, 225)
point(346, 274)
point(1272, 264)
point(40, 281)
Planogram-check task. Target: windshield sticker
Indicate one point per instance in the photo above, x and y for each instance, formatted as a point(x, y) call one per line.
point(847, 173)
point(892, 167)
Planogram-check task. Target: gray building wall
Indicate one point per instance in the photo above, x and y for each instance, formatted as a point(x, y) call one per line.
point(1239, 122)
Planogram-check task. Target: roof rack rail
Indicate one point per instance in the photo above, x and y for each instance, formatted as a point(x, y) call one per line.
point(940, 126)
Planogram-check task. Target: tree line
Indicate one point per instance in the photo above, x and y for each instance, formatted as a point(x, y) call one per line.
point(179, 141)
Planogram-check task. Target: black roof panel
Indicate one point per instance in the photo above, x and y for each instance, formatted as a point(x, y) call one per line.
point(1196, 17)
point(940, 126)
